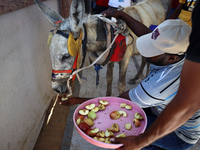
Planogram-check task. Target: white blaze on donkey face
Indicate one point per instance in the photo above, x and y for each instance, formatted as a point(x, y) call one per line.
point(61, 60)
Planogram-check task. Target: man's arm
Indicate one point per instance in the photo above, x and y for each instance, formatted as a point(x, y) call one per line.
point(125, 95)
point(176, 12)
point(169, 7)
point(185, 104)
point(137, 27)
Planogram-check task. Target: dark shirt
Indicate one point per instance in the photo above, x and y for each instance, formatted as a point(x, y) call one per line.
point(193, 51)
point(175, 3)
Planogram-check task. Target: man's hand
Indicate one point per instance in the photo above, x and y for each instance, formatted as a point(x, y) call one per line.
point(129, 143)
point(137, 27)
point(111, 13)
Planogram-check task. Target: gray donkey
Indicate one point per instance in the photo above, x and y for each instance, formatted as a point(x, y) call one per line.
point(81, 27)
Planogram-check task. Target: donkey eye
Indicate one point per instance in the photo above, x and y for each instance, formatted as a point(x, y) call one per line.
point(66, 56)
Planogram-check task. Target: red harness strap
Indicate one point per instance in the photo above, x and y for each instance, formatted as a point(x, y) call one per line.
point(68, 71)
point(119, 49)
point(57, 22)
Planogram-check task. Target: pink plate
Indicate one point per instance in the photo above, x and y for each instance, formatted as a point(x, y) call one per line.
point(103, 121)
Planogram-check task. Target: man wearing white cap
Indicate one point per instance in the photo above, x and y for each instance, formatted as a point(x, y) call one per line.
point(117, 3)
point(165, 49)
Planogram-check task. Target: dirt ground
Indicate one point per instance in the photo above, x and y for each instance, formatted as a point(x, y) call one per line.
point(51, 134)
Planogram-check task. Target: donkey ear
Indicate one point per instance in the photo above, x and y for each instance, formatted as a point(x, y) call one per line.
point(77, 12)
point(51, 15)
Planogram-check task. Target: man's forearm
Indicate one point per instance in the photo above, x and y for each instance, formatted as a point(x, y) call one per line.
point(137, 27)
point(185, 104)
point(176, 12)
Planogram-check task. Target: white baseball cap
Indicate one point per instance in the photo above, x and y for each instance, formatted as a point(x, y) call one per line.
point(171, 36)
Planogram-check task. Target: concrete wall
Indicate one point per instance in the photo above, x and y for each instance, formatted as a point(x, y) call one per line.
point(25, 73)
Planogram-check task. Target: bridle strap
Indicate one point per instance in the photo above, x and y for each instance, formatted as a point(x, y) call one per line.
point(57, 22)
point(84, 48)
point(61, 71)
point(68, 71)
point(66, 35)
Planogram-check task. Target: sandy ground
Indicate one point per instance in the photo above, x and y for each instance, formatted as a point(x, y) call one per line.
point(51, 134)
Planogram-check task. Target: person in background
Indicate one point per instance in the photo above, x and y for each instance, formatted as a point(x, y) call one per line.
point(184, 11)
point(101, 5)
point(172, 6)
point(117, 3)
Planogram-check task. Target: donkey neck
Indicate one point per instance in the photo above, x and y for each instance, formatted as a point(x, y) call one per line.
point(93, 45)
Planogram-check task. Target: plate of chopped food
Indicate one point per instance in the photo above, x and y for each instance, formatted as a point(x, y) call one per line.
point(99, 119)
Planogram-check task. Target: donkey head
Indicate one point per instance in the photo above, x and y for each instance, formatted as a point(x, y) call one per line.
point(62, 42)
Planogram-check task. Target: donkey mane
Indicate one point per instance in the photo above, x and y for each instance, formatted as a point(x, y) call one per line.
point(91, 22)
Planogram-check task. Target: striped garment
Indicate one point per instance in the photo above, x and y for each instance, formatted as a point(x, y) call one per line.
point(158, 89)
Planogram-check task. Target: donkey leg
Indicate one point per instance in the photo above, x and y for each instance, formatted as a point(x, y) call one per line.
point(123, 65)
point(139, 73)
point(109, 78)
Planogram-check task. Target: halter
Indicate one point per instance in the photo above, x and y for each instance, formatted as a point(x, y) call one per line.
point(58, 75)
point(62, 75)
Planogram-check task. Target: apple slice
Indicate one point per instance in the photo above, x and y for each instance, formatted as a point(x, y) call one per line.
point(107, 140)
point(87, 131)
point(100, 134)
point(122, 113)
point(136, 122)
point(138, 116)
point(129, 107)
point(120, 135)
point(92, 115)
point(101, 139)
point(122, 105)
point(128, 126)
point(114, 128)
point(95, 109)
point(81, 117)
point(83, 126)
point(101, 107)
point(96, 138)
point(83, 112)
point(78, 121)
point(103, 102)
point(109, 133)
point(115, 115)
point(93, 132)
point(89, 121)
point(64, 98)
point(90, 107)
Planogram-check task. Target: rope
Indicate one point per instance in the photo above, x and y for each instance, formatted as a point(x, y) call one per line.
point(119, 28)
point(76, 72)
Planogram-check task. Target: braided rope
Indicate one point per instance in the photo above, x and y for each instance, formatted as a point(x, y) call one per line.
point(119, 29)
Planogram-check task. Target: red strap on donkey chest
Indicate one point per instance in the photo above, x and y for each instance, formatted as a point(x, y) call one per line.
point(119, 48)
point(68, 71)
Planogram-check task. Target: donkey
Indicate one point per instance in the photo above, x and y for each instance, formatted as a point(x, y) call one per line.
point(69, 31)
